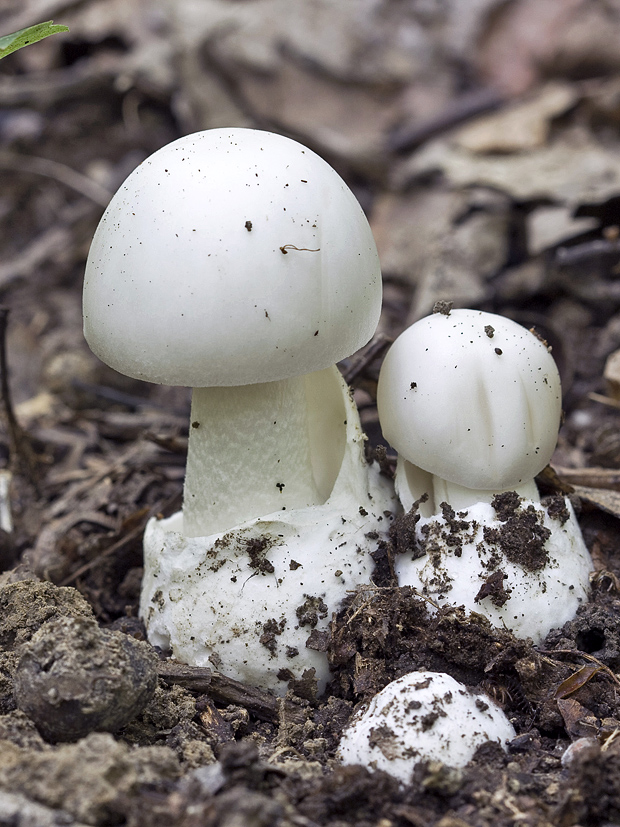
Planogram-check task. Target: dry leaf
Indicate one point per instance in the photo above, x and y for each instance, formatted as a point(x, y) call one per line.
point(446, 243)
point(606, 500)
point(521, 37)
point(578, 720)
point(576, 681)
point(352, 124)
point(521, 126)
point(550, 226)
point(611, 374)
point(573, 170)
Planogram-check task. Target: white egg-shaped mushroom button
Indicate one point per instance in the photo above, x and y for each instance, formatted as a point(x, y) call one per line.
point(472, 403)
point(235, 261)
point(422, 716)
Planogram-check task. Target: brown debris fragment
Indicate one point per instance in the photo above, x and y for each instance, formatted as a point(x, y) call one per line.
point(494, 588)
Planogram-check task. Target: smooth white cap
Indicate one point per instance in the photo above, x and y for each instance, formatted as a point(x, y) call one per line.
point(473, 398)
point(186, 282)
point(423, 716)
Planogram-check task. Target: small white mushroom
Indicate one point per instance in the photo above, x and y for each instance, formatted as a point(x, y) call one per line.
point(422, 716)
point(472, 402)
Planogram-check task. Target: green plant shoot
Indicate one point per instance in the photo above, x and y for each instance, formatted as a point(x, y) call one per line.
point(24, 37)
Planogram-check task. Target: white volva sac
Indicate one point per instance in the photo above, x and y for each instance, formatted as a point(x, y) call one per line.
point(472, 403)
point(463, 566)
point(246, 601)
point(423, 716)
point(239, 263)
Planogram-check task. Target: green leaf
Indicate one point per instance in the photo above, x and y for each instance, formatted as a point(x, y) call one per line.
point(24, 37)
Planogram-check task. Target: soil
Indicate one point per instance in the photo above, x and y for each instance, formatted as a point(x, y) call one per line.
point(92, 455)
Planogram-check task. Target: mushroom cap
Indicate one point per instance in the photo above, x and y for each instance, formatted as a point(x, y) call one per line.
point(193, 277)
point(471, 397)
point(422, 716)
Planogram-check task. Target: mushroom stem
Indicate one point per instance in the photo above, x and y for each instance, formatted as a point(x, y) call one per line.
point(460, 497)
point(249, 455)
point(412, 483)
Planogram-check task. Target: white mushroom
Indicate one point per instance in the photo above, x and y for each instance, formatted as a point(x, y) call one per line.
point(256, 601)
point(423, 716)
point(238, 262)
point(235, 261)
point(472, 403)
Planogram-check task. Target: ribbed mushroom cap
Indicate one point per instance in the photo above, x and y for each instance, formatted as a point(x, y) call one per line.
point(230, 257)
point(471, 397)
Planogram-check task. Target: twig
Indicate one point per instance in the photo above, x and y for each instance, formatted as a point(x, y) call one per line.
point(457, 112)
point(68, 499)
point(174, 444)
point(583, 252)
point(609, 741)
point(377, 346)
point(20, 449)
point(129, 400)
point(14, 430)
point(577, 653)
point(46, 88)
point(604, 400)
point(131, 535)
point(59, 172)
point(590, 477)
point(47, 245)
point(201, 679)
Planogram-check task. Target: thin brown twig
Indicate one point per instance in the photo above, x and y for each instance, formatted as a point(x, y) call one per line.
point(604, 400)
point(21, 454)
point(464, 108)
point(68, 499)
point(45, 246)
point(131, 535)
point(48, 87)
point(203, 680)
point(604, 478)
point(375, 348)
point(577, 653)
point(58, 172)
point(12, 424)
point(129, 400)
point(565, 256)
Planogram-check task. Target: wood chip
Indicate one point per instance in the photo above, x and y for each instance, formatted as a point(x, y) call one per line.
point(262, 704)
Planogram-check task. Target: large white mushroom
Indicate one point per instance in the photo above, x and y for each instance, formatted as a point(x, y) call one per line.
point(472, 403)
point(235, 261)
point(239, 263)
